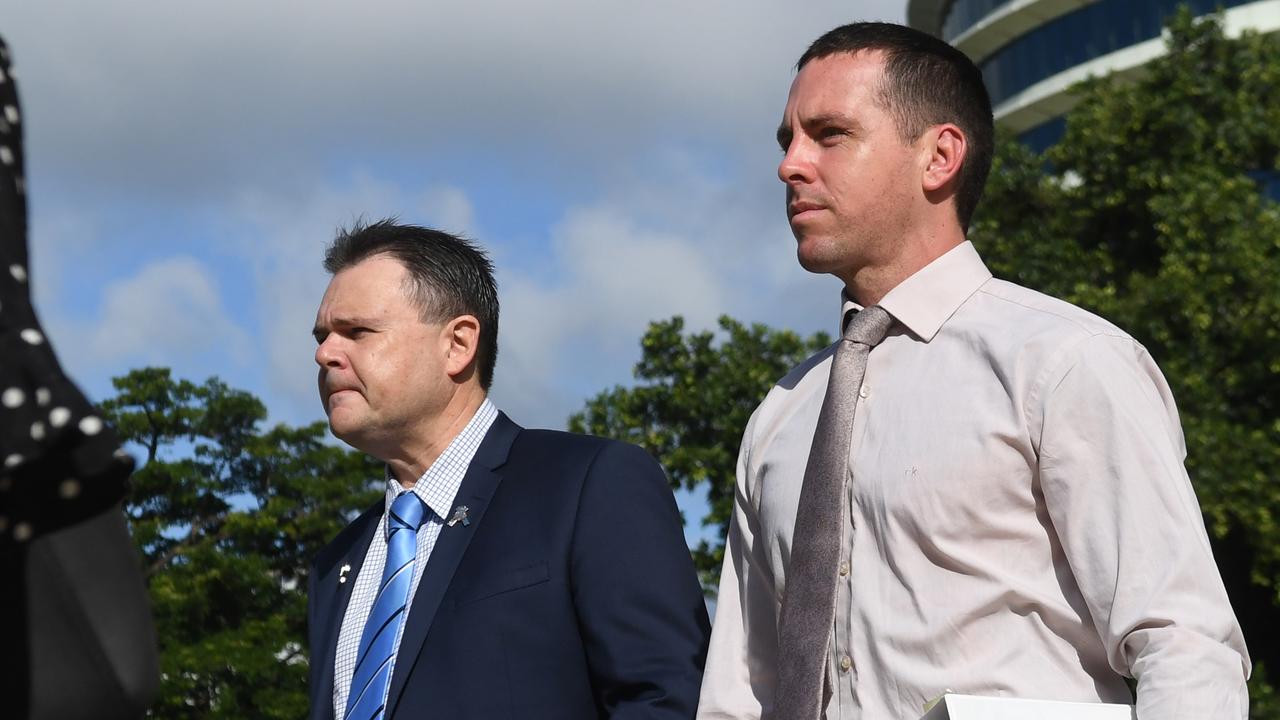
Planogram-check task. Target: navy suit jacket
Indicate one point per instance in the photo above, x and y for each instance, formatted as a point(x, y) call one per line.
point(571, 593)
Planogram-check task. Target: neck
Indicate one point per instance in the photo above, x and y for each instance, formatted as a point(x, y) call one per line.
point(869, 283)
point(410, 461)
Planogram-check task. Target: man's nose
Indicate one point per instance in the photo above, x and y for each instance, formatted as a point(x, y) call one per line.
point(796, 166)
point(327, 354)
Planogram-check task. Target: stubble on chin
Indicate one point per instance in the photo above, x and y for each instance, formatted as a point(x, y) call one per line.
point(815, 253)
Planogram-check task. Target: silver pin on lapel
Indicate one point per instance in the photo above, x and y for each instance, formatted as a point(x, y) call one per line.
point(342, 574)
point(460, 515)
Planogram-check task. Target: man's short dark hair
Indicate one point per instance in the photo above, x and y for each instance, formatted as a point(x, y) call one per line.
point(448, 275)
point(926, 82)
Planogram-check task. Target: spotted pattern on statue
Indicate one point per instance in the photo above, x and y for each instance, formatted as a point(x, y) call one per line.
point(61, 462)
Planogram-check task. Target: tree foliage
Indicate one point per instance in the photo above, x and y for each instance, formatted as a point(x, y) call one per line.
point(1151, 211)
point(227, 517)
point(695, 395)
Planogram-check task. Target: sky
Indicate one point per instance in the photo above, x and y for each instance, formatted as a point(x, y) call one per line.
point(189, 161)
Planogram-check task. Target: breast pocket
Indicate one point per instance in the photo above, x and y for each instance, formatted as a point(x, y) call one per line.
point(500, 582)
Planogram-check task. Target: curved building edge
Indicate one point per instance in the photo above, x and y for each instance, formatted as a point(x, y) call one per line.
point(1051, 97)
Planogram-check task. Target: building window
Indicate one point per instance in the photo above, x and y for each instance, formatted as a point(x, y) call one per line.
point(964, 14)
point(1042, 136)
point(1078, 37)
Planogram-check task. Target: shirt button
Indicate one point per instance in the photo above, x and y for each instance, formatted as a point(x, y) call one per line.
point(864, 391)
point(846, 662)
point(844, 569)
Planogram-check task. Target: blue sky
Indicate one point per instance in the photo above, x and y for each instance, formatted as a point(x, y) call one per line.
point(188, 162)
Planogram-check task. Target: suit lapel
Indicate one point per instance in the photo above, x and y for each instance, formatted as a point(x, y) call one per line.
point(477, 489)
point(333, 582)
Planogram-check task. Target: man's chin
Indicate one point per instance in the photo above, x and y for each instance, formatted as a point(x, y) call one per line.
point(340, 433)
point(815, 260)
point(344, 428)
point(355, 440)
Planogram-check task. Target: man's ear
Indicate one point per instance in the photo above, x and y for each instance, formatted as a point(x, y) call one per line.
point(947, 147)
point(462, 334)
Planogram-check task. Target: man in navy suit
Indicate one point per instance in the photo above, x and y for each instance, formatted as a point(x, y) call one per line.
point(508, 573)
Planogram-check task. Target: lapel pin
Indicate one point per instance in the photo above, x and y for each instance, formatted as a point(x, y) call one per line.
point(460, 514)
point(342, 574)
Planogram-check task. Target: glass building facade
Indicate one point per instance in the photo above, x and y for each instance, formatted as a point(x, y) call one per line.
point(1071, 39)
point(1045, 134)
point(964, 14)
point(1076, 38)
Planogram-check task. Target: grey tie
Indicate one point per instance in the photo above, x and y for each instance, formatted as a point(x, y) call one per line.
point(808, 607)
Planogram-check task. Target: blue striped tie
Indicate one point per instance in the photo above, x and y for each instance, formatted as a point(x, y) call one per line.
point(376, 656)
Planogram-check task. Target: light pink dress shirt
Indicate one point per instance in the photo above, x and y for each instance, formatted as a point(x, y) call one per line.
point(1019, 521)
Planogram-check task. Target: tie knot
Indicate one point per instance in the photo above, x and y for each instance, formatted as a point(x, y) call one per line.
point(869, 326)
point(406, 513)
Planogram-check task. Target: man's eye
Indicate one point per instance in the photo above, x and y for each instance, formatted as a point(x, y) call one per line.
point(831, 134)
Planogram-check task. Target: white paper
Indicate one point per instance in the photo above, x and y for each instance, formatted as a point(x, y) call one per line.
point(973, 707)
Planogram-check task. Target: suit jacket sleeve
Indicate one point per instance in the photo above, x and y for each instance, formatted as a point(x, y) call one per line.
point(638, 600)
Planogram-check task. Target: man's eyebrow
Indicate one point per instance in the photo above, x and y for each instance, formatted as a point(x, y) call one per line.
point(836, 119)
point(340, 323)
point(833, 118)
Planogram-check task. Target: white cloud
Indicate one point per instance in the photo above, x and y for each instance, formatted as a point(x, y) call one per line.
point(203, 94)
point(56, 241)
point(170, 312)
point(627, 274)
point(449, 209)
point(583, 327)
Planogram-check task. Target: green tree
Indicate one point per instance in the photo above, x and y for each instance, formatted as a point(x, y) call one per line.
point(227, 517)
point(695, 395)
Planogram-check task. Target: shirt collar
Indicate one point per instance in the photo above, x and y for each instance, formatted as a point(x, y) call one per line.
point(438, 486)
point(927, 299)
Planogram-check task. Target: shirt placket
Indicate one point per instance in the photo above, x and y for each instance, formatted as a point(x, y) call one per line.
point(842, 666)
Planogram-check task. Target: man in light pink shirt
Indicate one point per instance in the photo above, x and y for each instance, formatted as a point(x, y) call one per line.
point(1017, 520)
